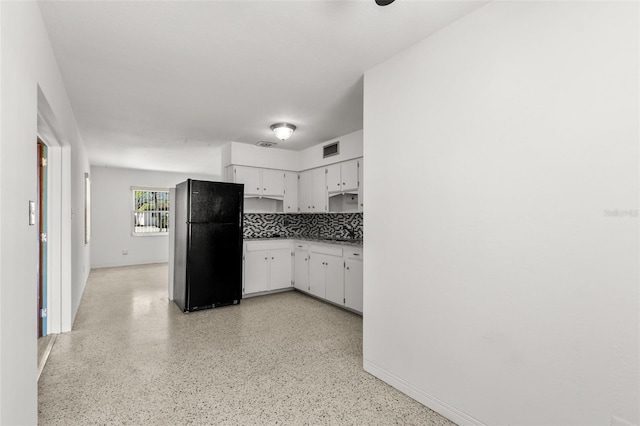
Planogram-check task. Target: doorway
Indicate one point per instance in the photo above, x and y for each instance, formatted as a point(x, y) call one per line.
point(42, 237)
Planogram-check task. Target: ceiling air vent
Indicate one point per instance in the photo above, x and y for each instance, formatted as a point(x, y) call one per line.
point(266, 144)
point(331, 149)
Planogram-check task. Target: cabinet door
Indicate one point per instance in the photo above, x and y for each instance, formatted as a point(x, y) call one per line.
point(353, 284)
point(349, 173)
point(317, 267)
point(291, 192)
point(361, 185)
point(319, 191)
point(301, 278)
point(256, 271)
point(334, 279)
point(273, 183)
point(250, 177)
point(280, 274)
point(334, 183)
point(305, 188)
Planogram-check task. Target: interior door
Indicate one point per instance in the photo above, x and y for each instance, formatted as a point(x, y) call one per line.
point(42, 236)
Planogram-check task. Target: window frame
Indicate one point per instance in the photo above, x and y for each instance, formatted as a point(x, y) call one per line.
point(134, 211)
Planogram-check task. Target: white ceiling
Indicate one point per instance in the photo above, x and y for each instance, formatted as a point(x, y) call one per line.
point(162, 85)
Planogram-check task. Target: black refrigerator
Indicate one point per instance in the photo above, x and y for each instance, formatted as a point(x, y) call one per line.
point(208, 244)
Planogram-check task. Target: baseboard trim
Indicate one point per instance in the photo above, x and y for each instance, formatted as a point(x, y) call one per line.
point(437, 405)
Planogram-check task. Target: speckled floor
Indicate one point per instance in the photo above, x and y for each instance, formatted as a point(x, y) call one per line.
point(134, 358)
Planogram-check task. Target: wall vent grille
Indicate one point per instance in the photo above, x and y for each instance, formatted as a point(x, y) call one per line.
point(331, 149)
point(266, 144)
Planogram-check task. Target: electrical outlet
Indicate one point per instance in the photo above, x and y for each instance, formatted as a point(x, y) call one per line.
point(617, 421)
point(125, 252)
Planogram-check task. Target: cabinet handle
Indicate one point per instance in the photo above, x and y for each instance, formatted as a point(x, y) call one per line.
point(272, 258)
point(266, 258)
point(264, 189)
point(344, 184)
point(356, 254)
point(347, 268)
point(257, 189)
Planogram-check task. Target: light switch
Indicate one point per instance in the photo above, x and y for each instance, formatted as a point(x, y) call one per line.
point(32, 213)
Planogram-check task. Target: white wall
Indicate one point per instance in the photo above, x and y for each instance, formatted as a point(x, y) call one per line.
point(28, 64)
point(111, 216)
point(282, 159)
point(350, 148)
point(242, 154)
point(498, 291)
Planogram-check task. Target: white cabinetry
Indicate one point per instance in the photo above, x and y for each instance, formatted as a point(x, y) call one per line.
point(301, 266)
point(326, 277)
point(319, 193)
point(267, 266)
point(353, 279)
point(260, 182)
point(291, 192)
point(343, 177)
point(312, 195)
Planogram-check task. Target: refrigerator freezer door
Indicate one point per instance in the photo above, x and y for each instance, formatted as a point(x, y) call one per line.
point(215, 202)
point(214, 264)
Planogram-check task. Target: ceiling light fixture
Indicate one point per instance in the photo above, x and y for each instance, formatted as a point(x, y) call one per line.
point(283, 130)
point(384, 2)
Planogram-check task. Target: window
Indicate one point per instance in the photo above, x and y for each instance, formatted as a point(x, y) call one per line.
point(150, 211)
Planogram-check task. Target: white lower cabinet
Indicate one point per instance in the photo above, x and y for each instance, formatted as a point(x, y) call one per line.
point(334, 279)
point(301, 267)
point(353, 284)
point(328, 271)
point(267, 266)
point(326, 277)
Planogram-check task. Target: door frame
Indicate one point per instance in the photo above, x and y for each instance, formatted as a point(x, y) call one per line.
point(43, 256)
point(59, 212)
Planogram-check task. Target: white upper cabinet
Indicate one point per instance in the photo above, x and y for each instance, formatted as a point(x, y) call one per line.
point(273, 183)
point(312, 193)
point(349, 172)
point(260, 182)
point(318, 191)
point(250, 177)
point(304, 192)
point(343, 177)
point(333, 178)
point(291, 192)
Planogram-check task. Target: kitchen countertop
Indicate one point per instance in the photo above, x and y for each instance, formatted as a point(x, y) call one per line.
point(343, 242)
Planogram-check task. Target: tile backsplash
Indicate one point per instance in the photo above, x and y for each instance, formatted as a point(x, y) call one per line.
point(325, 225)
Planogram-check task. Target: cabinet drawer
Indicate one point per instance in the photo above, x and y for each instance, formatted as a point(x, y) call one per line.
point(353, 253)
point(267, 245)
point(298, 245)
point(330, 250)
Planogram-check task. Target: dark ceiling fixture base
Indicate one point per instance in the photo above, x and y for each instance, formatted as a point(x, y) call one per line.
point(384, 2)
